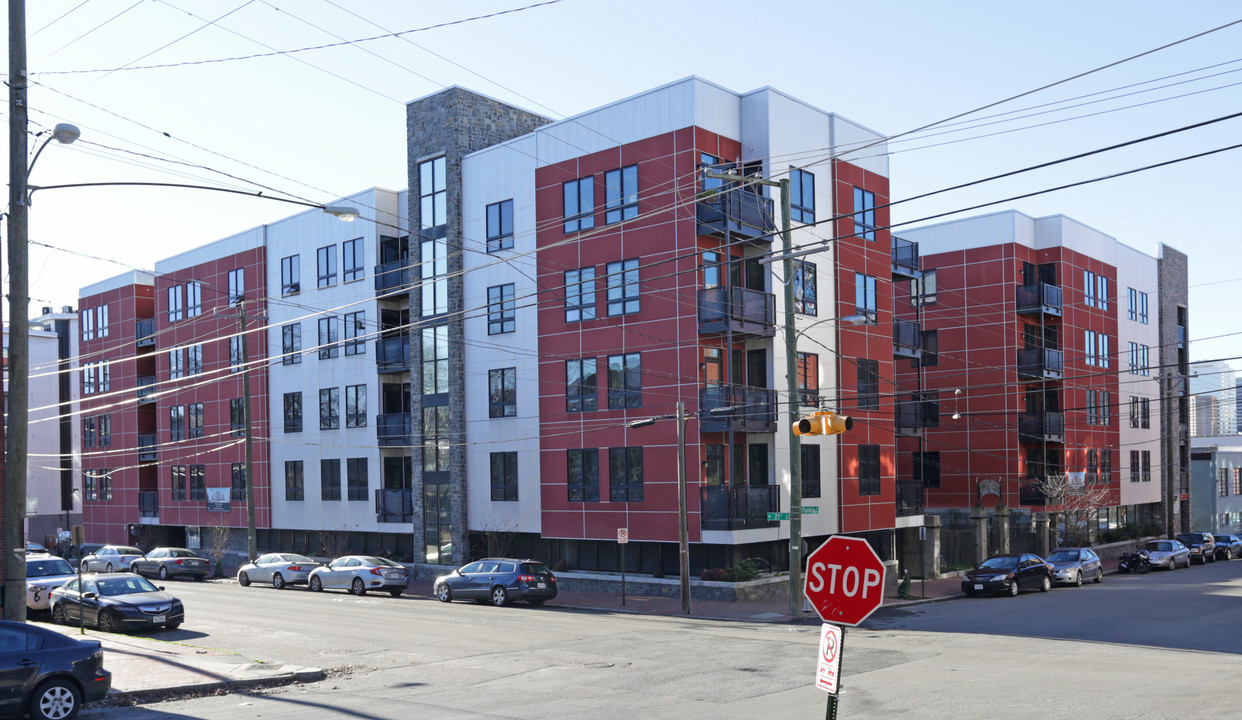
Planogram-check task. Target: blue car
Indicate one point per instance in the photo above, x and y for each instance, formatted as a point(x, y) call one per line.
point(1228, 547)
point(498, 580)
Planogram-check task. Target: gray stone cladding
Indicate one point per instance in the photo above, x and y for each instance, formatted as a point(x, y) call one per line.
point(1172, 273)
point(452, 123)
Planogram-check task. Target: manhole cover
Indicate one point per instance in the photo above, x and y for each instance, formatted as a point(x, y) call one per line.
point(598, 665)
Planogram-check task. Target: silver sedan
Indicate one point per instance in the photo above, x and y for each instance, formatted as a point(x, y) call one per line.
point(359, 573)
point(1167, 553)
point(280, 569)
point(111, 558)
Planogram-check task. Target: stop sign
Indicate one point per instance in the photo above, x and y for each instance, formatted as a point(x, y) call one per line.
point(844, 580)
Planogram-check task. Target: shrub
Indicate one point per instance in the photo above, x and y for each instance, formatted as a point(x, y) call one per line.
point(743, 571)
point(712, 574)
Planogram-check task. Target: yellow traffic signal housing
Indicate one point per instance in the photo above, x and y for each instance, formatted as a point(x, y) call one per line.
point(823, 423)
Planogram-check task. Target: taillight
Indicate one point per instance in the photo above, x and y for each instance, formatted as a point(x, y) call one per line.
point(295, 568)
point(177, 561)
point(376, 571)
point(551, 578)
point(527, 578)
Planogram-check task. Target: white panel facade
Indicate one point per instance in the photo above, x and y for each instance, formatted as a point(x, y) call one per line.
point(1138, 272)
point(43, 442)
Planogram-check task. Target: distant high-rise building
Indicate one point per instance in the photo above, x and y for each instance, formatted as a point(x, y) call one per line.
point(1213, 391)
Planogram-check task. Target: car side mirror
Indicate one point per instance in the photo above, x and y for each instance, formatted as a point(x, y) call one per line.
point(159, 587)
point(89, 596)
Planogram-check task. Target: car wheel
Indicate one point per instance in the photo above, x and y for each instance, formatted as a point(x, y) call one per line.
point(395, 592)
point(1046, 584)
point(163, 573)
point(58, 614)
point(108, 567)
point(278, 581)
point(357, 587)
point(1099, 575)
point(1173, 563)
point(55, 699)
point(500, 596)
point(316, 585)
point(106, 622)
point(172, 625)
point(444, 593)
point(1013, 588)
point(243, 579)
point(1078, 579)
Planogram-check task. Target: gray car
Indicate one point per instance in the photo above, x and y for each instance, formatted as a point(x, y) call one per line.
point(359, 573)
point(279, 569)
point(172, 562)
point(111, 558)
point(1169, 554)
point(1074, 565)
point(498, 580)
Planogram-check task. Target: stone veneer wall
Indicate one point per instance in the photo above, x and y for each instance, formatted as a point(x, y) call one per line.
point(1172, 271)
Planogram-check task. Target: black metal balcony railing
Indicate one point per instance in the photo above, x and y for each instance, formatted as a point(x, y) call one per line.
point(392, 354)
point(1041, 427)
point(148, 504)
point(394, 429)
point(745, 311)
point(907, 340)
point(392, 276)
point(738, 507)
point(744, 215)
point(146, 448)
point(1040, 298)
point(909, 498)
point(146, 389)
point(754, 409)
point(1030, 494)
point(394, 506)
point(905, 258)
point(144, 332)
point(1041, 364)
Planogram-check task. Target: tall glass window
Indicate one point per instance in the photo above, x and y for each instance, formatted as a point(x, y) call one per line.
point(801, 196)
point(500, 226)
point(352, 259)
point(580, 294)
point(623, 287)
point(620, 194)
point(864, 214)
point(579, 198)
point(500, 309)
point(432, 193)
point(290, 275)
point(435, 360)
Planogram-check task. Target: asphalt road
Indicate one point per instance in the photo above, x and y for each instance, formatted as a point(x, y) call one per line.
point(1162, 646)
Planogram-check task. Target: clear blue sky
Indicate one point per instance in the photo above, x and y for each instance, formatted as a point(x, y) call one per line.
point(326, 123)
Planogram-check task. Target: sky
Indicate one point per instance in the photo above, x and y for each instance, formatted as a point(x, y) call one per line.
point(325, 123)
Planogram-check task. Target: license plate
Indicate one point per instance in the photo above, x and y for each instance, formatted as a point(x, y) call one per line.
point(541, 586)
point(392, 575)
point(978, 587)
point(159, 618)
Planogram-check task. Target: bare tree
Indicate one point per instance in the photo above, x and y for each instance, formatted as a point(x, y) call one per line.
point(499, 539)
point(334, 543)
point(217, 544)
point(1076, 500)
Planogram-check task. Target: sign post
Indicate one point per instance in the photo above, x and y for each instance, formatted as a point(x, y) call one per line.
point(623, 537)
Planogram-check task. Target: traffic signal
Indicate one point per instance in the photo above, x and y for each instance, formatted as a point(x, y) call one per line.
point(823, 423)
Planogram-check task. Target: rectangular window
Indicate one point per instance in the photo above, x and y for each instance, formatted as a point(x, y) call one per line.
point(433, 193)
point(293, 480)
point(583, 475)
point(1222, 483)
point(329, 479)
point(1089, 347)
point(868, 469)
point(175, 306)
point(355, 406)
point(1106, 466)
point(105, 430)
point(1237, 483)
point(88, 432)
point(325, 265)
point(927, 468)
point(101, 318)
point(923, 289)
point(193, 299)
point(435, 360)
point(356, 478)
point(329, 408)
point(88, 378)
point(868, 384)
point(176, 423)
point(1134, 411)
point(811, 487)
point(804, 288)
point(1101, 292)
point(580, 294)
point(105, 377)
point(329, 337)
point(237, 286)
point(235, 354)
point(178, 482)
point(1106, 408)
point(352, 257)
point(1135, 468)
point(237, 486)
point(88, 482)
point(500, 309)
point(581, 391)
point(865, 298)
point(435, 439)
point(625, 474)
point(290, 275)
point(1143, 308)
point(1088, 288)
point(620, 194)
point(194, 360)
point(623, 287)
point(88, 324)
point(500, 226)
point(1092, 413)
point(1132, 305)
point(293, 412)
point(355, 333)
point(579, 204)
point(1145, 412)
point(1092, 476)
point(104, 477)
point(291, 344)
point(1104, 353)
point(625, 386)
point(198, 483)
point(801, 196)
point(1144, 367)
point(504, 476)
point(194, 420)
point(502, 393)
point(237, 416)
point(1147, 466)
point(808, 380)
point(864, 214)
point(434, 272)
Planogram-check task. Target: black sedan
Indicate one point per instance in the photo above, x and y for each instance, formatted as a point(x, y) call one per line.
point(47, 674)
point(1228, 547)
point(169, 562)
point(498, 580)
point(114, 602)
point(1009, 574)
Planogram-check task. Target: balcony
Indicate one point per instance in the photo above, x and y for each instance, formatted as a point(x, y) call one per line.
point(394, 506)
point(148, 504)
point(907, 340)
point(146, 389)
point(905, 259)
point(738, 507)
point(754, 408)
point(393, 276)
point(1041, 364)
point(911, 416)
point(146, 448)
point(909, 498)
point(1040, 299)
point(394, 430)
point(1041, 427)
point(739, 214)
point(741, 310)
point(392, 354)
point(144, 332)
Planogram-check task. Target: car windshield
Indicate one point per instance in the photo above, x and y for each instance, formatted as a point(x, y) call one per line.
point(382, 562)
point(1063, 556)
point(128, 550)
point(999, 563)
point(123, 586)
point(48, 568)
point(1159, 546)
point(181, 553)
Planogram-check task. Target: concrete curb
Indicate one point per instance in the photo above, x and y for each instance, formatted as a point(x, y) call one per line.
point(295, 675)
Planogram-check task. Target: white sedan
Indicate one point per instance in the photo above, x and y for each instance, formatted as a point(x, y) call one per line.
point(45, 573)
point(280, 569)
point(359, 573)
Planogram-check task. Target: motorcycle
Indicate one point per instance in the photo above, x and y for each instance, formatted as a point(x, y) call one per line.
point(1135, 562)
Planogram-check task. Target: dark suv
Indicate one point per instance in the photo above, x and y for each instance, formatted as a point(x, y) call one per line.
point(1202, 546)
point(498, 580)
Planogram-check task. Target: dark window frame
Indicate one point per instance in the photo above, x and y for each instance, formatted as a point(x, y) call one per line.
point(625, 463)
point(502, 392)
point(801, 196)
point(624, 288)
point(625, 384)
point(501, 309)
point(578, 210)
point(621, 194)
point(290, 275)
point(499, 226)
point(869, 473)
point(325, 266)
point(504, 476)
point(581, 396)
point(582, 475)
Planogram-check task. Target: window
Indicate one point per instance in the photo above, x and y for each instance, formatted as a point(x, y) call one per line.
point(325, 264)
point(176, 423)
point(355, 333)
point(927, 468)
point(1101, 292)
point(1222, 483)
point(1134, 411)
point(88, 481)
point(194, 420)
point(625, 474)
point(329, 479)
point(1092, 476)
point(291, 344)
point(290, 275)
point(356, 478)
point(923, 289)
point(178, 482)
point(865, 298)
point(237, 486)
point(1092, 407)
point(193, 299)
point(622, 283)
point(355, 406)
point(1106, 408)
point(88, 377)
point(1134, 466)
point(801, 196)
point(293, 412)
point(625, 388)
point(580, 386)
point(1144, 367)
point(198, 482)
point(435, 439)
point(583, 475)
point(433, 193)
point(804, 289)
point(237, 416)
point(502, 393)
point(1145, 413)
point(864, 214)
point(1088, 288)
point(579, 204)
point(1147, 466)
point(580, 294)
point(620, 194)
point(1106, 466)
point(88, 324)
point(931, 348)
point(103, 478)
point(435, 360)
point(329, 334)
point(194, 359)
point(1105, 354)
point(500, 226)
point(101, 318)
point(504, 476)
point(1142, 309)
point(868, 384)
point(808, 380)
point(434, 271)
point(500, 309)
point(810, 471)
point(105, 430)
point(235, 354)
point(88, 432)
point(293, 480)
point(352, 256)
point(868, 469)
point(105, 376)
point(175, 306)
point(1237, 482)
point(237, 286)
point(329, 408)
point(711, 269)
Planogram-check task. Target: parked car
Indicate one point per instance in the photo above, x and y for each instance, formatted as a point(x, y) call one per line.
point(1009, 574)
point(1073, 565)
point(85, 549)
point(49, 674)
point(498, 580)
point(36, 549)
point(114, 602)
point(45, 573)
point(1167, 553)
point(280, 569)
point(1228, 546)
point(110, 558)
point(169, 562)
point(359, 573)
point(1201, 545)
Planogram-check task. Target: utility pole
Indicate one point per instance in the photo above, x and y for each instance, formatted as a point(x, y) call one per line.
point(683, 537)
point(252, 543)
